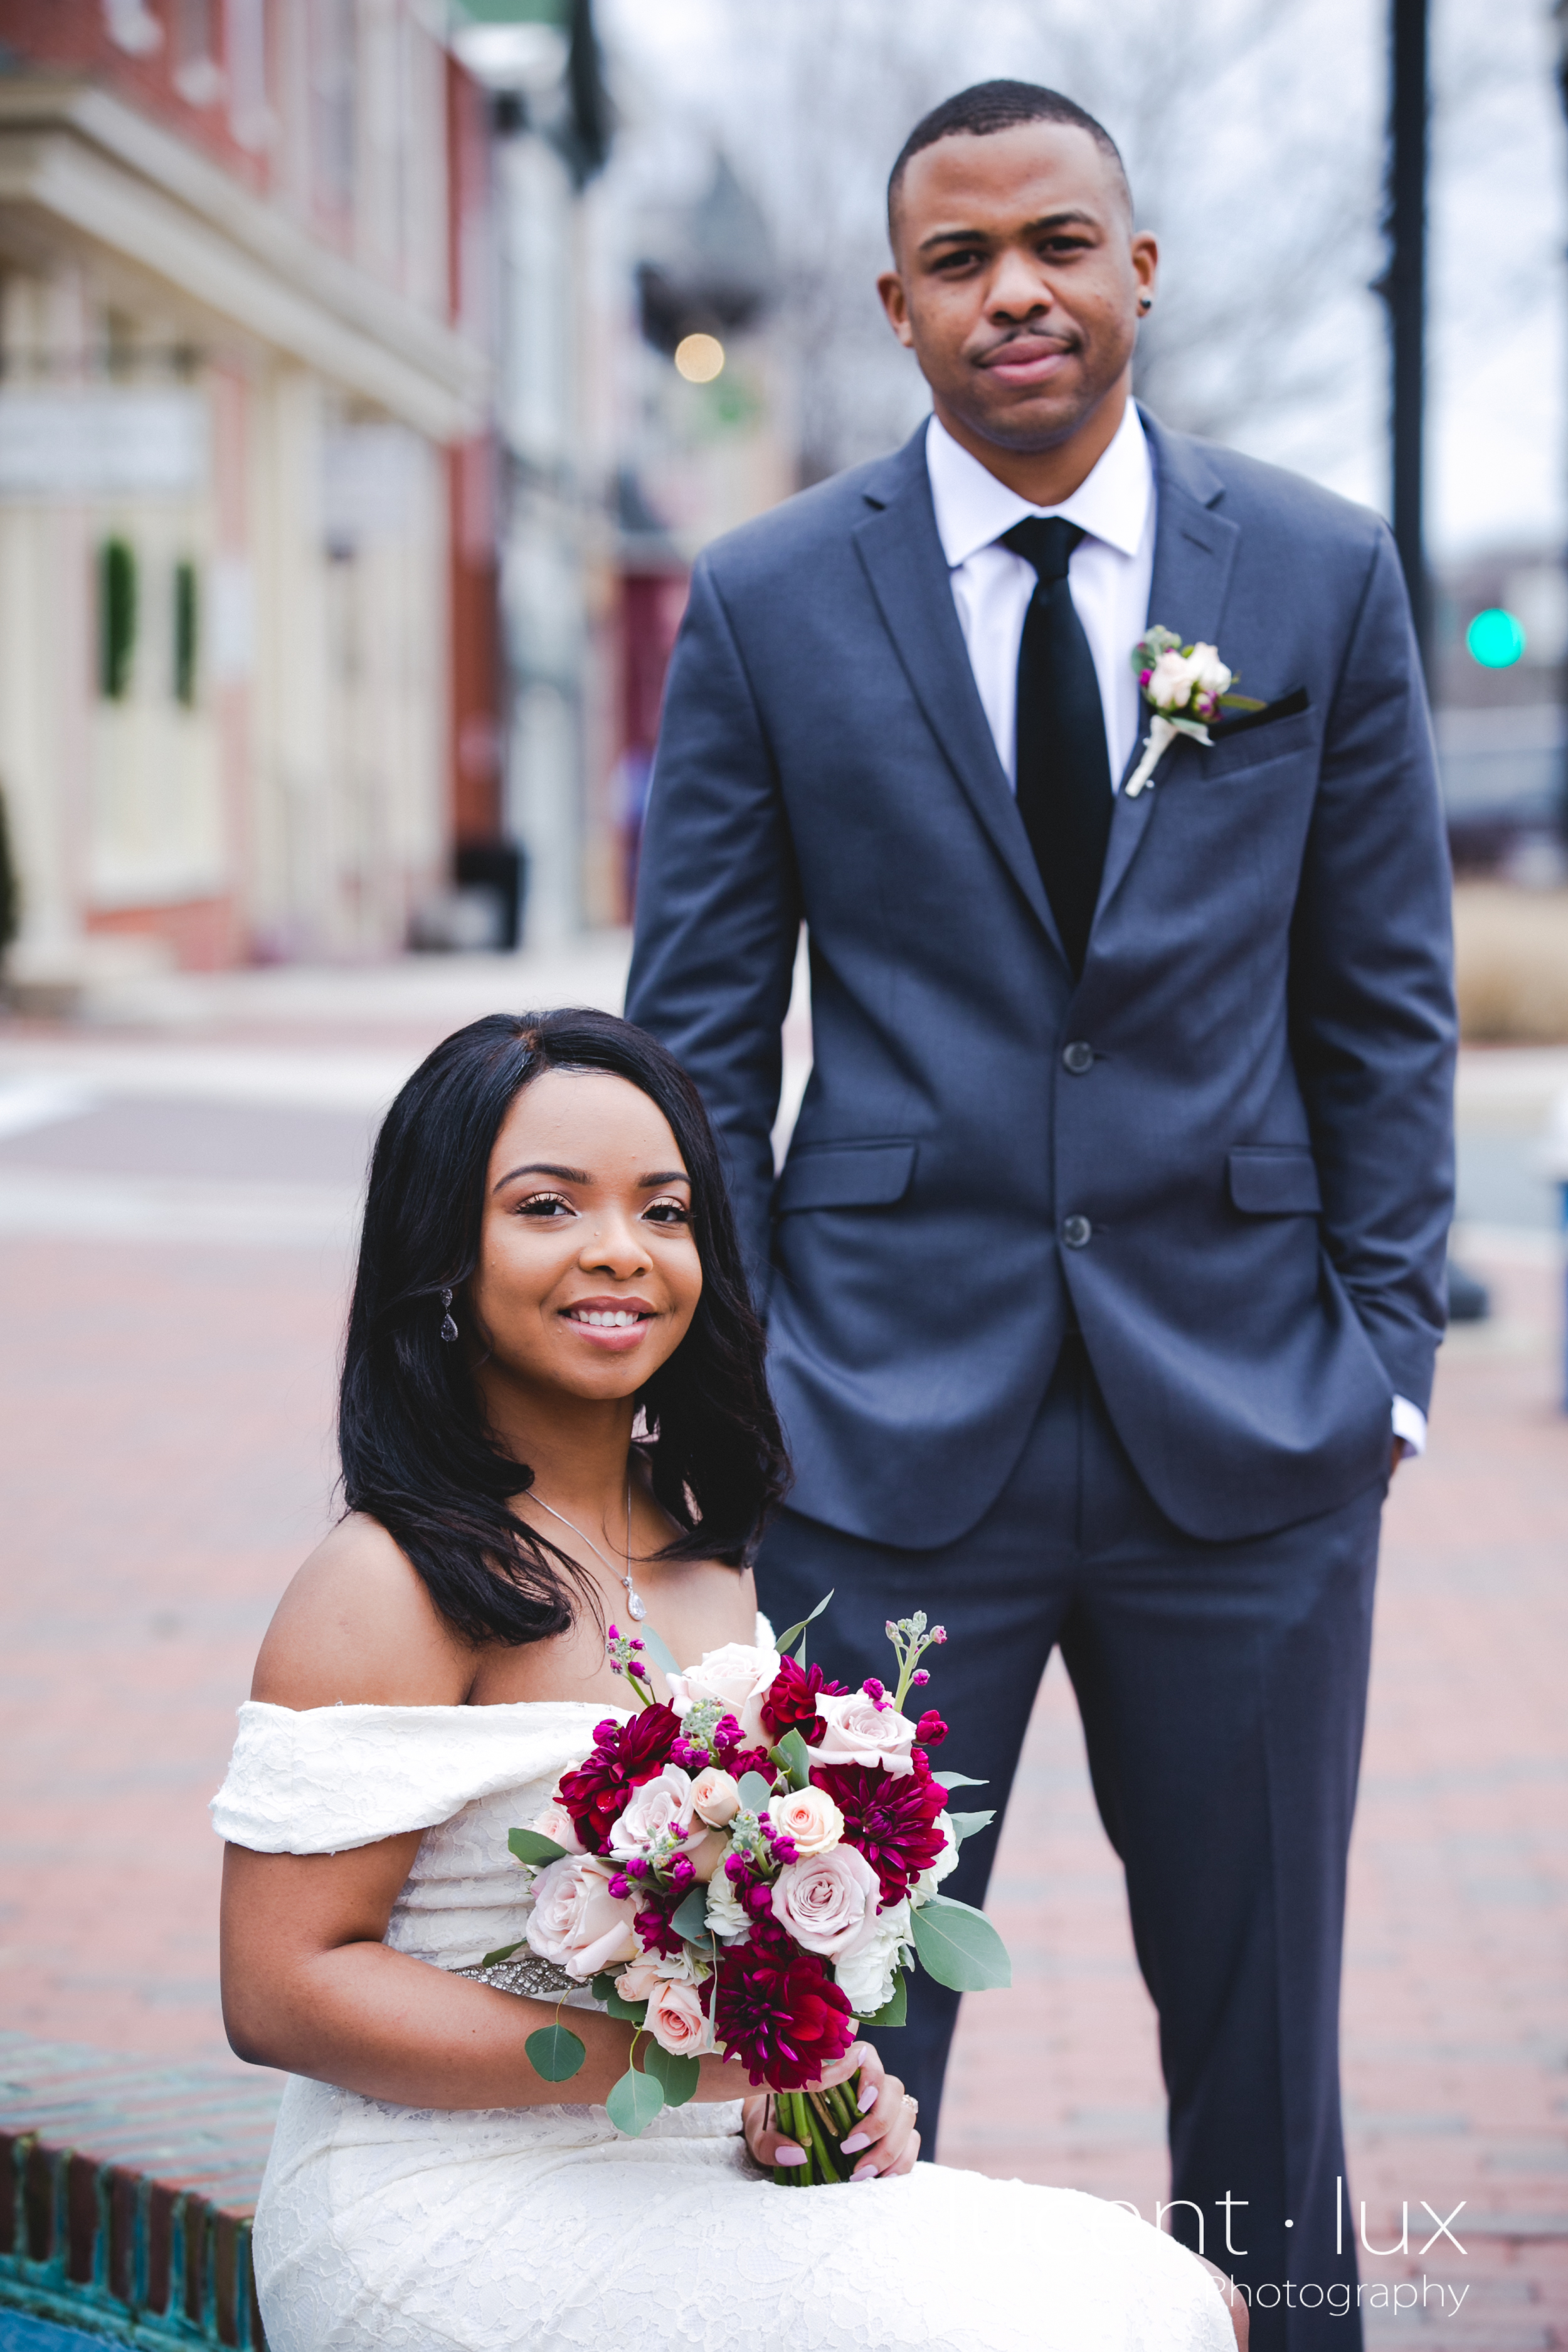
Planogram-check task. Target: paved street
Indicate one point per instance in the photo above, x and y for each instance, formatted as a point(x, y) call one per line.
point(177, 1202)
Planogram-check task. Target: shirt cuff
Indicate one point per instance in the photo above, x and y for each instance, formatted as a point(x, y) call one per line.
point(1410, 1423)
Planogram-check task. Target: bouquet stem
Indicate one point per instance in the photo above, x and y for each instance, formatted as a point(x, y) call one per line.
point(817, 2121)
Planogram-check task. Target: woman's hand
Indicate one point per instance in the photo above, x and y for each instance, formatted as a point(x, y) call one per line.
point(885, 2139)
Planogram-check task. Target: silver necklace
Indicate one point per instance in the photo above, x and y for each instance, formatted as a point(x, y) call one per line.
point(635, 1607)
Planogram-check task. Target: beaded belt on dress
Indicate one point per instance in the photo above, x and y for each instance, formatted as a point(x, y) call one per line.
point(540, 1979)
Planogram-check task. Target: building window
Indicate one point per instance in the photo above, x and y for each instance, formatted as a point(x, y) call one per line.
point(198, 77)
point(333, 87)
point(250, 116)
point(116, 618)
point(186, 635)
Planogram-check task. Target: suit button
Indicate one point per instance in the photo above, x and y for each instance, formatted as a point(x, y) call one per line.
point(1077, 1058)
point(1075, 1232)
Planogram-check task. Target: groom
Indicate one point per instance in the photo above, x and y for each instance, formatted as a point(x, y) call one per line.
point(1104, 1275)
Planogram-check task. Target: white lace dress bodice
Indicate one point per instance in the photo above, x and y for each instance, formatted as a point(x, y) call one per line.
point(389, 2229)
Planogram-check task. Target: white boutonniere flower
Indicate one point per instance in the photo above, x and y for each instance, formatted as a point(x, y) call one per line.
point(1184, 687)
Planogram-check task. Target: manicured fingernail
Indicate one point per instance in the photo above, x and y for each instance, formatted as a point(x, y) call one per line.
point(867, 2098)
point(785, 2154)
point(867, 2172)
point(857, 2141)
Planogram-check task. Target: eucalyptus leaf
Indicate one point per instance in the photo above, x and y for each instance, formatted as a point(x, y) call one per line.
point(968, 1825)
point(755, 1792)
point(532, 1846)
point(794, 1756)
point(677, 2077)
point(655, 1648)
point(630, 2012)
point(960, 1947)
point(959, 1780)
point(635, 2101)
point(896, 2009)
point(602, 1987)
point(554, 2053)
point(691, 1919)
point(786, 1642)
point(491, 1959)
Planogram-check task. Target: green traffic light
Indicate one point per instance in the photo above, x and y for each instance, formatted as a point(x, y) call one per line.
point(1496, 638)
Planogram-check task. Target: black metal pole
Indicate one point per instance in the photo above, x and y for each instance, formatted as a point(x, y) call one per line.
point(1405, 291)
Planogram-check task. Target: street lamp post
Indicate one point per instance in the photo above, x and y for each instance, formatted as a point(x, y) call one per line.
point(1403, 289)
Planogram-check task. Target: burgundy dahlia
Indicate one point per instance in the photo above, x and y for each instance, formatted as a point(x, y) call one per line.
point(778, 2011)
point(625, 1754)
point(890, 1818)
point(792, 1701)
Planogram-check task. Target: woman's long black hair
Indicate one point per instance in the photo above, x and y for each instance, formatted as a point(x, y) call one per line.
point(416, 1453)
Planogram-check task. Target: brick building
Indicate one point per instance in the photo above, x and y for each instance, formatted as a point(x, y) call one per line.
point(250, 700)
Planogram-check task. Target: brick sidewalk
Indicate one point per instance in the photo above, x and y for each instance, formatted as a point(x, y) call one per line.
point(168, 1465)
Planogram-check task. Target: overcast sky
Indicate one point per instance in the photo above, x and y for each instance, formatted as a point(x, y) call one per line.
point(1498, 410)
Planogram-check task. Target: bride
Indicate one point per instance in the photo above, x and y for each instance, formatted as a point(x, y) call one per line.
point(547, 1254)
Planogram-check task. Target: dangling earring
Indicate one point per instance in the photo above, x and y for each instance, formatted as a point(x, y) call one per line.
point(448, 1329)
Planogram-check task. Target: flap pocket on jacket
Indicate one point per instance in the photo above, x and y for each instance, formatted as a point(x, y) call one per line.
point(844, 1176)
point(1275, 1179)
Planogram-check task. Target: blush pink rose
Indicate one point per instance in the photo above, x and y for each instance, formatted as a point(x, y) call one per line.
point(556, 1823)
point(809, 1818)
point(576, 1922)
point(676, 2019)
point(828, 1904)
point(739, 1677)
point(661, 1804)
point(715, 1797)
point(860, 1732)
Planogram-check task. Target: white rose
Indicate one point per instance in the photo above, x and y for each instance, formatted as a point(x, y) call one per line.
point(828, 1904)
point(739, 1677)
point(928, 1882)
point(556, 1823)
point(866, 1976)
point(1209, 674)
point(576, 1922)
point(651, 1970)
point(860, 1732)
point(809, 1818)
point(727, 1914)
point(1170, 681)
point(715, 1798)
point(661, 1804)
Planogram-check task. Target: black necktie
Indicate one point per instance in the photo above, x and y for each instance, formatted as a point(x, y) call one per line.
point(1064, 768)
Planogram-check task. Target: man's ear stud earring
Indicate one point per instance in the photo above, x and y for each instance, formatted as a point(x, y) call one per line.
point(448, 1329)
point(1145, 301)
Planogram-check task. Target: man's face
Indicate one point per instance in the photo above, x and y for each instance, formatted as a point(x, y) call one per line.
point(1017, 279)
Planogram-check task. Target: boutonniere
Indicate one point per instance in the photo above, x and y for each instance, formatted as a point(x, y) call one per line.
point(1184, 687)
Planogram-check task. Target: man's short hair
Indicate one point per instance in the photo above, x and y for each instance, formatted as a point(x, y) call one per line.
point(992, 106)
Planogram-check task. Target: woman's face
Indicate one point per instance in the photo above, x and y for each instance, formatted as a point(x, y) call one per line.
point(588, 1273)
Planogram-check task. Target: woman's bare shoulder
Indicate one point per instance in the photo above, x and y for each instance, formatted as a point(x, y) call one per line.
point(357, 1625)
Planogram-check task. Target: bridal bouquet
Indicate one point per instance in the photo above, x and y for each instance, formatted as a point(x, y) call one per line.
point(750, 1870)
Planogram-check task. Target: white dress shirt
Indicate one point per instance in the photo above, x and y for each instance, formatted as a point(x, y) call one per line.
point(1108, 577)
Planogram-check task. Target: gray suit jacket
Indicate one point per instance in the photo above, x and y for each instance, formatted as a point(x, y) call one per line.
point(1260, 1141)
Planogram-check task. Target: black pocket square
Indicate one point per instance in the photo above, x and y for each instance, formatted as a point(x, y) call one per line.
point(1238, 722)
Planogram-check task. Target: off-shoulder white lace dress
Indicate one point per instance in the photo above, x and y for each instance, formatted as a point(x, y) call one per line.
point(391, 2229)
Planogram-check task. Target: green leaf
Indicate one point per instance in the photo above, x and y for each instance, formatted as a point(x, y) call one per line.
point(530, 1845)
point(959, 1780)
point(677, 2077)
point(655, 1648)
point(635, 2101)
point(492, 1960)
point(967, 1825)
point(630, 2012)
point(602, 1987)
point(794, 1756)
point(691, 1919)
point(894, 2010)
point(960, 1947)
point(554, 2053)
point(755, 1792)
point(786, 1642)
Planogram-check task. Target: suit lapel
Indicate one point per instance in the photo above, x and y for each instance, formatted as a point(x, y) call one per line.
point(1193, 552)
point(903, 558)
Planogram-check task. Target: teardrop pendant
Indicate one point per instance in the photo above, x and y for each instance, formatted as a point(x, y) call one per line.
point(634, 1604)
point(448, 1329)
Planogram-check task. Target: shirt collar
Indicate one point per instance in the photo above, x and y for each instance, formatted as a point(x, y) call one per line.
point(973, 509)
